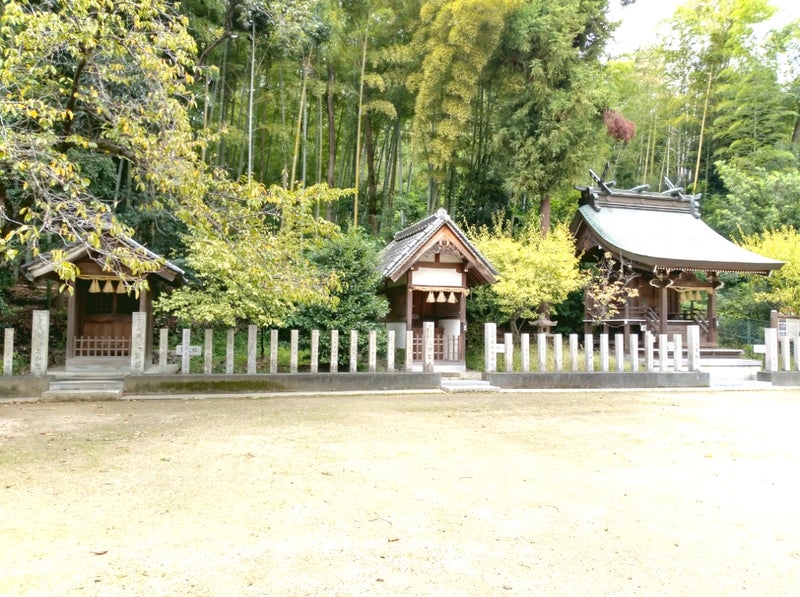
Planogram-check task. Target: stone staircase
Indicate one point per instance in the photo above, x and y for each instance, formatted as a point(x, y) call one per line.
point(469, 381)
point(733, 372)
point(84, 386)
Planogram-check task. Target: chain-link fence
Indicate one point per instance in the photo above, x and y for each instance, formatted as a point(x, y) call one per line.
point(741, 333)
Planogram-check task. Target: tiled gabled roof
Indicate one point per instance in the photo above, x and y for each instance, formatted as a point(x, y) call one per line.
point(410, 243)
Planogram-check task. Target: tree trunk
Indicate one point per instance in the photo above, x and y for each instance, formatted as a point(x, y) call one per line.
point(702, 133)
point(545, 211)
point(390, 182)
point(433, 191)
point(285, 168)
point(372, 185)
point(358, 124)
point(318, 140)
point(300, 118)
point(331, 139)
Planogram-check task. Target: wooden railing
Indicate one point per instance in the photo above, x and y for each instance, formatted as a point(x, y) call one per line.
point(445, 348)
point(102, 346)
point(700, 319)
point(652, 320)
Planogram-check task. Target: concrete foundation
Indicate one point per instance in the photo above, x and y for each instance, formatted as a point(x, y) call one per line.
point(780, 378)
point(23, 387)
point(280, 382)
point(599, 380)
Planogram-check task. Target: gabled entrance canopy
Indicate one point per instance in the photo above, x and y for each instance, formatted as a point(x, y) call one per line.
point(435, 234)
point(677, 255)
point(428, 269)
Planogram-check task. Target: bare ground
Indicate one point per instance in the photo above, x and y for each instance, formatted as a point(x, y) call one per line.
point(673, 493)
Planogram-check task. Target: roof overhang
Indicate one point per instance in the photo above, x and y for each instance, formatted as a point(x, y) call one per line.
point(42, 267)
point(665, 240)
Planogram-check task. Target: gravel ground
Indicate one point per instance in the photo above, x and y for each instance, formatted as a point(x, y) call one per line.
point(650, 493)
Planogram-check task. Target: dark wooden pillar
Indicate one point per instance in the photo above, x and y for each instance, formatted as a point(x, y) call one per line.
point(462, 311)
point(712, 310)
point(712, 317)
point(409, 308)
point(713, 277)
point(72, 320)
point(664, 310)
point(146, 306)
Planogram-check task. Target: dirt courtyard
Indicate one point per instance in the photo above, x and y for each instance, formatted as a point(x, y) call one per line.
point(606, 493)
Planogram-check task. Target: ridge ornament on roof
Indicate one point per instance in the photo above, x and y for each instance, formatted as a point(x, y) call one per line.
point(607, 187)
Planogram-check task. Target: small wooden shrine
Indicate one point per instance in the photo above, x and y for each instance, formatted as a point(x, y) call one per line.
point(100, 310)
point(676, 257)
point(428, 270)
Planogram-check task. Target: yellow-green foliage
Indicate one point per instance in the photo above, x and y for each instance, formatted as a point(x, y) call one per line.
point(251, 256)
point(457, 39)
point(534, 269)
point(82, 79)
point(783, 286)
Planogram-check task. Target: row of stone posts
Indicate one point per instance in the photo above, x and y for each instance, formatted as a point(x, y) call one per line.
point(781, 353)
point(492, 348)
point(137, 365)
point(41, 333)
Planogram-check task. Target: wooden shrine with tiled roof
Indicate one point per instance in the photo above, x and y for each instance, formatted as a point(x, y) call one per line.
point(678, 258)
point(428, 269)
point(100, 310)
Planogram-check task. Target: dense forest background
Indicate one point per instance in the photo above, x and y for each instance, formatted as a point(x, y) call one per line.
point(486, 106)
point(483, 107)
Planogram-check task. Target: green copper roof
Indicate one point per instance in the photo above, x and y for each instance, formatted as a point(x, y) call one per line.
point(664, 236)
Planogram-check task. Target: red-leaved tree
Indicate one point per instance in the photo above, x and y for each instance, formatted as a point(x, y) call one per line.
point(618, 127)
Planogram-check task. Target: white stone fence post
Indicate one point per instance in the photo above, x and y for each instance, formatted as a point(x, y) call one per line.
point(188, 352)
point(666, 354)
point(40, 337)
point(781, 353)
point(138, 341)
point(8, 352)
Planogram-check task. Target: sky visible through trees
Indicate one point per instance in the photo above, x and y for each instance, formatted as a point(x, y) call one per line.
point(640, 23)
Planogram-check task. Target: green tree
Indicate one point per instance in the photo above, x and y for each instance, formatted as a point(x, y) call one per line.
point(782, 288)
point(553, 98)
point(251, 259)
point(608, 288)
point(756, 200)
point(753, 118)
point(351, 262)
point(456, 38)
point(86, 81)
point(535, 269)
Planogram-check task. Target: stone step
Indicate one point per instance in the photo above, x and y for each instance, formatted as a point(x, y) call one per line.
point(467, 385)
point(81, 395)
point(98, 365)
point(727, 371)
point(86, 385)
point(71, 388)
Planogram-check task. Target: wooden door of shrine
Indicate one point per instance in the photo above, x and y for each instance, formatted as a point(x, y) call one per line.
point(105, 325)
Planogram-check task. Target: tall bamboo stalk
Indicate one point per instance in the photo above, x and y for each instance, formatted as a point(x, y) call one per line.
point(702, 132)
point(300, 112)
point(358, 124)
